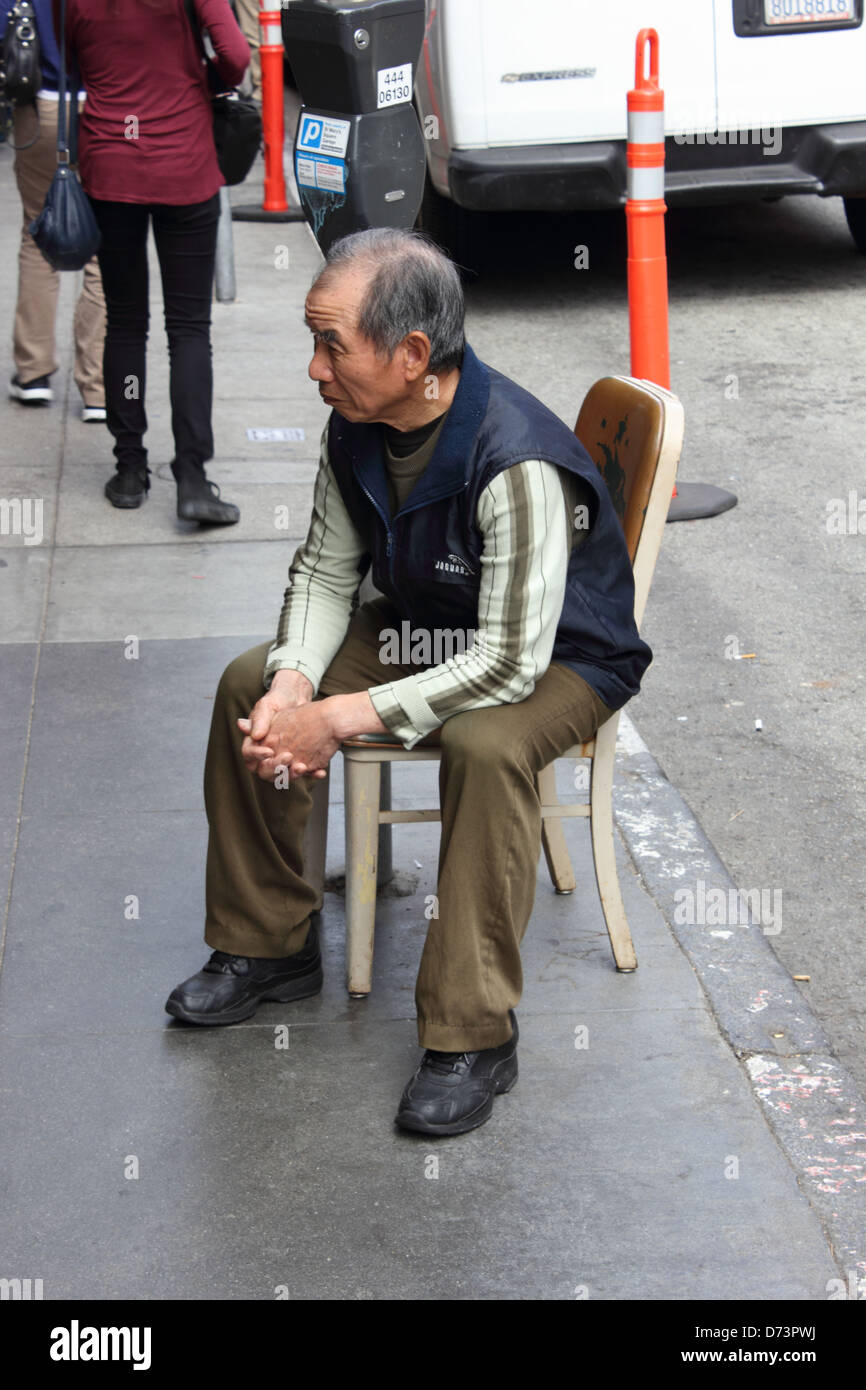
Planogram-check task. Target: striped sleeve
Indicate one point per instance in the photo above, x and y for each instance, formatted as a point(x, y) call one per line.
point(525, 516)
point(323, 581)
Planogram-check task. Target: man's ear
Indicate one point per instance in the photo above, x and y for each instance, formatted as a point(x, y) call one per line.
point(416, 354)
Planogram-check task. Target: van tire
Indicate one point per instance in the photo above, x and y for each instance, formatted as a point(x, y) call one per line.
point(453, 228)
point(855, 211)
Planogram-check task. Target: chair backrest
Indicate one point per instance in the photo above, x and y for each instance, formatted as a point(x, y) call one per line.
point(633, 430)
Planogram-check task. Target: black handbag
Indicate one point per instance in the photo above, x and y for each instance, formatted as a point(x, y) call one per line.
point(21, 74)
point(237, 121)
point(66, 230)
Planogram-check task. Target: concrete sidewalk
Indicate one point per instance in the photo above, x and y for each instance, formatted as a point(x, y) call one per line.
point(145, 1160)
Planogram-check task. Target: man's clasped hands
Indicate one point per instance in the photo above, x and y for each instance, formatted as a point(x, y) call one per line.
point(288, 729)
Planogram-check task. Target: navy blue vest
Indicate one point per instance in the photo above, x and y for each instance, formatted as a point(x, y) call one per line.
point(427, 558)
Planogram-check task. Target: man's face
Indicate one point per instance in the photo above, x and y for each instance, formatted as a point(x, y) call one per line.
point(351, 378)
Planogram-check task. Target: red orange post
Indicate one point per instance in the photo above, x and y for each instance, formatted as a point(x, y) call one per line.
point(271, 53)
point(645, 218)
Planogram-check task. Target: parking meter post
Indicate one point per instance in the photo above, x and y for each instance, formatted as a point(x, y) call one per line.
point(225, 287)
point(271, 54)
point(360, 156)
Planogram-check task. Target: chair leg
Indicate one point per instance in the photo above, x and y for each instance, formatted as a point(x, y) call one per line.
point(316, 839)
point(362, 853)
point(552, 837)
point(604, 858)
point(385, 871)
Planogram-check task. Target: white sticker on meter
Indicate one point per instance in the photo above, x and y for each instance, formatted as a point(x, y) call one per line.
point(321, 173)
point(323, 135)
point(394, 85)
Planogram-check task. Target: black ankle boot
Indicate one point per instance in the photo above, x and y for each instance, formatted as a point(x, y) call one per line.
point(198, 499)
point(128, 487)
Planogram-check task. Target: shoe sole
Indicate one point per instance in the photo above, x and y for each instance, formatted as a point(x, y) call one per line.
point(301, 988)
point(501, 1085)
point(125, 502)
point(42, 398)
point(188, 511)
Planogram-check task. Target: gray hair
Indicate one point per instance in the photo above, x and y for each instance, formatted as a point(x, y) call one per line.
point(412, 286)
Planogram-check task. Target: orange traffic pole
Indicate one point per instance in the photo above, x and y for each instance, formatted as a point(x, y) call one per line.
point(645, 219)
point(647, 261)
point(271, 53)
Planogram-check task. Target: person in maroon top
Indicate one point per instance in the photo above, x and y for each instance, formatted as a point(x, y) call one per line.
point(146, 154)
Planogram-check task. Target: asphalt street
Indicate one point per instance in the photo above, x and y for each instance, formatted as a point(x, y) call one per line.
point(768, 349)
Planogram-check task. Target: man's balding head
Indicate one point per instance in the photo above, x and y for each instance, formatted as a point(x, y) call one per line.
point(409, 285)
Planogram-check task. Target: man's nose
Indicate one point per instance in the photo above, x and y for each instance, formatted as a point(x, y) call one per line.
point(320, 367)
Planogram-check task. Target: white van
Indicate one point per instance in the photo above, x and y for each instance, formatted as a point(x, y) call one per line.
point(523, 103)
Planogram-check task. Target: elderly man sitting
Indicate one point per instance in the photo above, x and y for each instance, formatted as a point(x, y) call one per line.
point(479, 511)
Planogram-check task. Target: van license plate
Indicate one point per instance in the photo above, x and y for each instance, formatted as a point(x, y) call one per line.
point(779, 13)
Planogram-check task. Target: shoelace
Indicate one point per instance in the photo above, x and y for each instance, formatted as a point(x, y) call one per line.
point(222, 961)
point(444, 1061)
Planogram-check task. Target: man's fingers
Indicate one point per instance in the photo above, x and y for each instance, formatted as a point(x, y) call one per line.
point(254, 754)
point(259, 724)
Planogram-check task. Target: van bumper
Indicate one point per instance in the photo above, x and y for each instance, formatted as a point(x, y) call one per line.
point(754, 163)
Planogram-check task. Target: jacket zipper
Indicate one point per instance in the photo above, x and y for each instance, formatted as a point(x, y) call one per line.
point(389, 543)
point(389, 535)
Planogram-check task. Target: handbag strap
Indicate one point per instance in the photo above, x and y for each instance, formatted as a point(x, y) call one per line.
point(67, 150)
point(214, 85)
point(195, 26)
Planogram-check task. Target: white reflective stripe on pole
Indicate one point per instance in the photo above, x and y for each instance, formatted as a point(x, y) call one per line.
point(646, 127)
point(643, 184)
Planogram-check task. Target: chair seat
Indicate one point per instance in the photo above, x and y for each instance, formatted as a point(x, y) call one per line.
point(431, 740)
point(434, 740)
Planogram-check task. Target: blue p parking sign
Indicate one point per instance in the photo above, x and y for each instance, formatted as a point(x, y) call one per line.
point(310, 136)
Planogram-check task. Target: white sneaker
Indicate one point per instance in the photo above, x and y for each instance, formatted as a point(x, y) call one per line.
point(93, 414)
point(36, 392)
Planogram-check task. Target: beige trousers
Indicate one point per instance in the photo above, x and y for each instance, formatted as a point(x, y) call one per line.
point(33, 345)
point(248, 19)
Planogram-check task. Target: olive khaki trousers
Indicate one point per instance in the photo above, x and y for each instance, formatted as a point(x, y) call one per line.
point(259, 904)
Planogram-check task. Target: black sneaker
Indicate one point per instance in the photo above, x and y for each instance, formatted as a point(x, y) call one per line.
point(198, 499)
point(128, 487)
point(36, 392)
point(452, 1092)
point(230, 988)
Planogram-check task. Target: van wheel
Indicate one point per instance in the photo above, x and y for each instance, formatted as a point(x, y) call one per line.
point(855, 211)
point(453, 228)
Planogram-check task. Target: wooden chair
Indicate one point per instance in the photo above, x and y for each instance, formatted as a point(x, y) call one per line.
point(633, 430)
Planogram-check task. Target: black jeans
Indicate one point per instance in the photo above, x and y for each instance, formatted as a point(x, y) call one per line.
point(186, 245)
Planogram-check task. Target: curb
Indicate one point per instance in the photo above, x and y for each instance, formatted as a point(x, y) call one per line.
point(809, 1100)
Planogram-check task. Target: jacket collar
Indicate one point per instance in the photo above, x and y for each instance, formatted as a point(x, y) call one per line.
point(450, 467)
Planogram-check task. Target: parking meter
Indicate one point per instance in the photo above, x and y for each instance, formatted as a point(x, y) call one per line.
point(359, 150)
